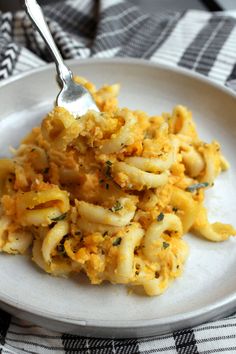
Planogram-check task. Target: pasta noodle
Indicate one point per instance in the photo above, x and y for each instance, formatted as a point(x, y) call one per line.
point(101, 215)
point(110, 194)
point(131, 177)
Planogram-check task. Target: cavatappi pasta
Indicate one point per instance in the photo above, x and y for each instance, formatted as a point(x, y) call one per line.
point(110, 194)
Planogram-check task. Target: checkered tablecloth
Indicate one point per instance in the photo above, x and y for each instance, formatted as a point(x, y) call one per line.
point(199, 41)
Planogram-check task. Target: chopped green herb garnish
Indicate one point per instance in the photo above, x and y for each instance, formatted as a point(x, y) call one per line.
point(117, 242)
point(101, 181)
point(160, 217)
point(107, 186)
point(46, 170)
point(197, 186)
point(32, 150)
point(60, 217)
point(165, 245)
point(117, 206)
point(175, 209)
point(105, 233)
point(61, 249)
point(108, 169)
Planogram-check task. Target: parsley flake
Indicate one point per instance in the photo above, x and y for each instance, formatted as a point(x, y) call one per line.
point(116, 207)
point(60, 217)
point(46, 170)
point(61, 249)
point(160, 217)
point(197, 186)
point(108, 169)
point(117, 242)
point(165, 245)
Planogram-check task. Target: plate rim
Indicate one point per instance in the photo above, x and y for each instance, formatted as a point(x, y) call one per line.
point(209, 312)
point(223, 306)
point(134, 61)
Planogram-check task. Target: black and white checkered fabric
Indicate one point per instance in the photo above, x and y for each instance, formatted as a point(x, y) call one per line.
point(200, 41)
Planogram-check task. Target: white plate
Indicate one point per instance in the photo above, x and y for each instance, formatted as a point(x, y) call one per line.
point(207, 288)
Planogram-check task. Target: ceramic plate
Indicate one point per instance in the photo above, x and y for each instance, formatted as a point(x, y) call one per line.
point(207, 289)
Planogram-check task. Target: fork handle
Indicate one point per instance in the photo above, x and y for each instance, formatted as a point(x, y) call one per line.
point(36, 15)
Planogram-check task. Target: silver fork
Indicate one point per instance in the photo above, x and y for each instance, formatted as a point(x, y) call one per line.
point(74, 97)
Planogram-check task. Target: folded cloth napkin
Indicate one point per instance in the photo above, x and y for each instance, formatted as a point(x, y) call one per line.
point(195, 40)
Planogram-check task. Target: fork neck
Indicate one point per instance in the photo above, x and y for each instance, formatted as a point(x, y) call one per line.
point(64, 75)
point(36, 15)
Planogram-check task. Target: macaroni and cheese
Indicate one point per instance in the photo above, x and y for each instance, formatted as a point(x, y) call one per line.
point(110, 194)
